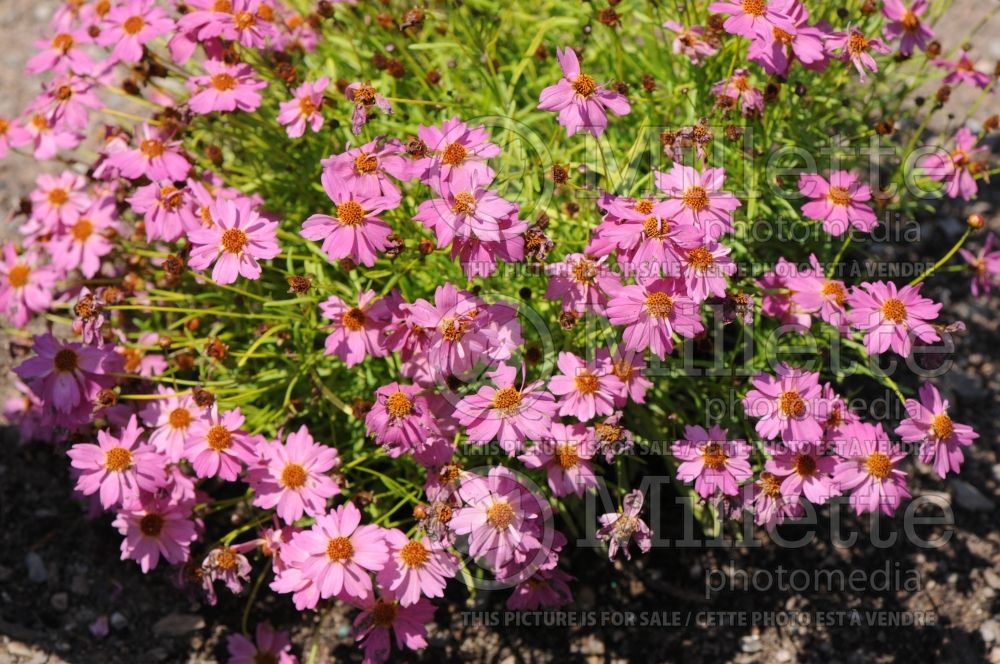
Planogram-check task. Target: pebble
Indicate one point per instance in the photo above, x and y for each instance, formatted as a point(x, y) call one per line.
point(989, 631)
point(99, 628)
point(751, 644)
point(969, 497)
point(79, 585)
point(783, 656)
point(118, 620)
point(992, 579)
point(36, 568)
point(59, 601)
point(19, 649)
point(178, 624)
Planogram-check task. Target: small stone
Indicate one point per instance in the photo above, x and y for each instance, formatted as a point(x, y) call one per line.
point(118, 621)
point(969, 497)
point(99, 628)
point(783, 656)
point(751, 644)
point(996, 475)
point(19, 649)
point(79, 585)
point(59, 601)
point(36, 568)
point(992, 579)
point(178, 624)
point(989, 631)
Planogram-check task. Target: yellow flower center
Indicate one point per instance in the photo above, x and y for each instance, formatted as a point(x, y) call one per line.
point(500, 515)
point(413, 554)
point(584, 86)
point(833, 290)
point(151, 147)
point(293, 476)
point(838, 196)
point(701, 259)
point(879, 465)
point(655, 228)
point(58, 196)
point(465, 203)
point(507, 400)
point(942, 426)
point(234, 240)
point(857, 44)
point(567, 456)
point(910, 21)
point(770, 484)
point(117, 459)
point(398, 405)
point(894, 310)
point(754, 7)
point(365, 163)
point(714, 456)
point(586, 382)
point(219, 438)
point(454, 154)
point(224, 82)
point(180, 418)
point(644, 206)
point(339, 549)
point(696, 198)
point(243, 20)
point(791, 404)
point(659, 305)
point(350, 213)
point(63, 42)
point(584, 271)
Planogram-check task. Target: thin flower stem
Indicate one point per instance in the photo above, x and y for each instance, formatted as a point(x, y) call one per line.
point(944, 259)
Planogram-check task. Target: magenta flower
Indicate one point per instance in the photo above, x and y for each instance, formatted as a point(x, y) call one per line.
point(63, 52)
point(805, 471)
point(941, 439)
point(26, 286)
point(705, 268)
point(170, 417)
point(652, 312)
point(357, 331)
point(271, 646)
point(455, 148)
point(587, 388)
point(67, 101)
point(962, 70)
point(752, 18)
point(628, 366)
point(337, 554)
point(45, 138)
point(905, 22)
point(891, 317)
point(466, 210)
point(985, 265)
point(582, 103)
point(776, 50)
point(84, 243)
point(620, 528)
point(381, 619)
point(854, 46)
point(692, 42)
point(238, 238)
point(117, 468)
point(56, 203)
point(565, 452)
point(869, 469)
point(294, 477)
point(712, 462)
point(355, 230)
point(417, 568)
point(165, 210)
point(364, 97)
point(67, 375)
point(955, 169)
point(813, 292)
point(304, 110)
point(155, 528)
point(157, 157)
point(697, 198)
point(648, 240)
point(217, 447)
point(580, 283)
point(225, 88)
point(839, 203)
point(545, 589)
point(130, 26)
point(737, 89)
point(506, 412)
point(401, 418)
point(769, 504)
point(366, 170)
point(788, 405)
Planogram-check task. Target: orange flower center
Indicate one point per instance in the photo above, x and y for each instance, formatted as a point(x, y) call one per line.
point(500, 515)
point(584, 86)
point(224, 82)
point(151, 147)
point(58, 196)
point(454, 154)
point(63, 93)
point(644, 206)
point(293, 476)
point(782, 36)
point(18, 275)
point(339, 549)
point(171, 197)
point(701, 259)
point(133, 25)
point(857, 44)
point(364, 95)
point(838, 196)
point(754, 7)
point(398, 405)
point(805, 465)
point(365, 163)
point(350, 213)
point(791, 404)
point(219, 438)
point(82, 230)
point(910, 21)
point(770, 485)
point(714, 456)
point(62, 42)
point(234, 240)
point(465, 203)
point(879, 465)
point(584, 271)
point(567, 457)
point(942, 426)
point(586, 382)
point(894, 310)
point(659, 305)
point(180, 418)
point(244, 20)
point(507, 400)
point(696, 198)
point(834, 290)
point(225, 559)
point(655, 228)
point(117, 459)
point(306, 107)
point(353, 319)
point(223, 6)
point(413, 554)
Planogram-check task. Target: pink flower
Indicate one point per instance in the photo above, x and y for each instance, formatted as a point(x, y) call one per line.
point(705, 268)
point(46, 138)
point(245, 24)
point(891, 317)
point(338, 553)
point(581, 102)
point(738, 89)
point(805, 471)
point(565, 452)
point(839, 203)
point(588, 389)
point(304, 109)
point(128, 27)
point(68, 101)
point(238, 238)
point(814, 292)
point(86, 241)
point(698, 199)
point(155, 527)
point(628, 366)
point(546, 588)
point(355, 230)
point(416, 568)
point(401, 418)
point(455, 148)
point(941, 439)
point(648, 240)
point(226, 564)
point(466, 210)
point(787, 405)
point(714, 463)
point(769, 504)
point(365, 170)
point(164, 208)
point(985, 264)
point(294, 477)
point(580, 283)
point(508, 413)
point(61, 53)
point(67, 375)
point(364, 96)
point(117, 468)
point(955, 168)
point(269, 645)
point(620, 528)
point(217, 447)
point(157, 158)
point(26, 285)
point(870, 469)
point(652, 312)
point(776, 50)
point(777, 301)
point(225, 88)
point(905, 21)
point(170, 417)
point(57, 203)
point(963, 70)
point(752, 18)
point(357, 331)
point(692, 42)
point(382, 618)
point(854, 46)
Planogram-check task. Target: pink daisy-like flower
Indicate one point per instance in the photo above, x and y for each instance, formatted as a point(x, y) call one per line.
point(620, 528)
point(649, 242)
point(582, 103)
point(364, 97)
point(891, 317)
point(652, 312)
point(248, 24)
point(565, 453)
point(401, 418)
point(170, 417)
point(338, 553)
point(465, 210)
point(769, 504)
point(545, 589)
point(941, 438)
point(692, 42)
point(416, 568)
point(455, 148)
point(505, 412)
point(217, 447)
point(45, 138)
point(26, 285)
point(62, 52)
point(839, 203)
point(269, 646)
point(788, 405)
point(962, 70)
point(238, 238)
point(294, 477)
point(705, 268)
point(67, 375)
point(355, 230)
point(985, 265)
point(381, 619)
point(629, 367)
point(581, 283)
point(57, 202)
point(157, 157)
point(68, 100)
point(84, 243)
point(905, 22)
point(226, 564)
point(814, 292)
point(587, 388)
point(855, 46)
point(165, 210)
point(225, 88)
point(955, 167)
point(805, 471)
point(117, 468)
point(712, 462)
point(155, 528)
point(366, 169)
point(870, 469)
point(738, 89)
point(130, 26)
point(697, 198)
point(357, 331)
point(304, 110)
point(777, 286)
point(752, 18)
point(776, 51)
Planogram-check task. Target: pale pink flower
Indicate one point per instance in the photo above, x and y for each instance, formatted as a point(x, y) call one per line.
point(238, 238)
point(86, 242)
point(620, 528)
point(130, 26)
point(454, 148)
point(705, 268)
point(711, 461)
point(67, 375)
point(941, 439)
point(840, 203)
point(962, 70)
point(739, 89)
point(57, 202)
point(157, 157)
point(891, 317)
point(692, 42)
point(45, 138)
point(753, 18)
point(153, 528)
point(805, 471)
point(217, 447)
point(381, 619)
point(904, 21)
point(366, 169)
point(117, 468)
point(304, 110)
point(62, 52)
point(417, 567)
point(26, 285)
point(401, 418)
point(581, 102)
point(855, 46)
point(815, 293)
point(955, 167)
point(364, 97)
point(581, 283)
